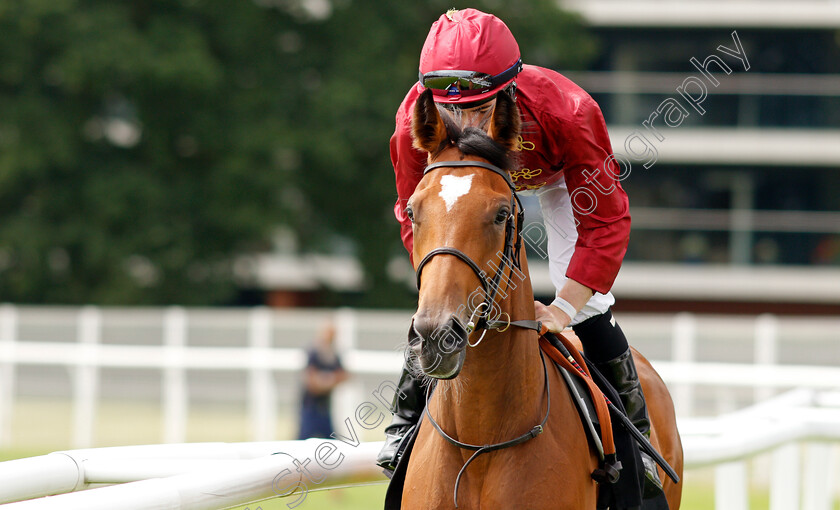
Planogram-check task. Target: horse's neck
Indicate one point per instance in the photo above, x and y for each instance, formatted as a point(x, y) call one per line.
point(504, 364)
point(501, 382)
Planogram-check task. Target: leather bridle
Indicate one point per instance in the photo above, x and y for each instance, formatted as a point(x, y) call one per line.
point(513, 243)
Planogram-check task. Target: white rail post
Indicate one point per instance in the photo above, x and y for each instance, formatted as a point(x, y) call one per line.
point(348, 396)
point(684, 334)
point(8, 337)
point(766, 349)
point(263, 400)
point(86, 381)
point(784, 478)
point(731, 486)
point(817, 476)
point(175, 399)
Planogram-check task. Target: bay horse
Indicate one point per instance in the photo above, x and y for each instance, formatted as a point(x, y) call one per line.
point(466, 219)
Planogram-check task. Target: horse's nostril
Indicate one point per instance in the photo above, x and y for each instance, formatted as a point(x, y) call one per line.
point(414, 337)
point(422, 328)
point(453, 335)
point(447, 336)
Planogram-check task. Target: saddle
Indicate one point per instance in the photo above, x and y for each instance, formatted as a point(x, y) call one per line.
point(620, 475)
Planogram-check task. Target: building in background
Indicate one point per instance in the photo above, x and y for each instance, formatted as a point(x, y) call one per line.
point(738, 209)
point(745, 190)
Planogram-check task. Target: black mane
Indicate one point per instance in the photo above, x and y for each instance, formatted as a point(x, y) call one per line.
point(474, 141)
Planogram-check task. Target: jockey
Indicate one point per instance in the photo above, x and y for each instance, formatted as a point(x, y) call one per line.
point(468, 57)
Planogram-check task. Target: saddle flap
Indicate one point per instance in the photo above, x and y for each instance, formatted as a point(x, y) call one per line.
point(578, 369)
point(586, 409)
point(620, 490)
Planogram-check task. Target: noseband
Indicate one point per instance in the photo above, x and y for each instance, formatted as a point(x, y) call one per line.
point(513, 242)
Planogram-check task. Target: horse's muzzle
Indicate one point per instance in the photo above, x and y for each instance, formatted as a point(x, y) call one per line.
point(438, 347)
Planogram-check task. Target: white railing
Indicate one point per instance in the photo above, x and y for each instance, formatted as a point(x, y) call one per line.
point(694, 353)
point(756, 356)
point(81, 350)
point(799, 429)
point(187, 476)
point(220, 475)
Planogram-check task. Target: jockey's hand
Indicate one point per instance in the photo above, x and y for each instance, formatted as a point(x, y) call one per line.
point(552, 317)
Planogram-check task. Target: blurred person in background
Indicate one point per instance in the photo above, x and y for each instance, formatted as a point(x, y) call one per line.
point(322, 374)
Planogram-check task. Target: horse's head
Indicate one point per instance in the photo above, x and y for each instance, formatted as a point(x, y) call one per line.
point(465, 217)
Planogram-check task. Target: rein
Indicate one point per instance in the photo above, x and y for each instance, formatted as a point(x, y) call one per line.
point(534, 432)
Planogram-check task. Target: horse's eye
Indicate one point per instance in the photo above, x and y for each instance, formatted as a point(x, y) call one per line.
point(502, 216)
point(410, 213)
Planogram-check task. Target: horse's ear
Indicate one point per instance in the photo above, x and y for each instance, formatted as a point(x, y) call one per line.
point(427, 127)
point(505, 124)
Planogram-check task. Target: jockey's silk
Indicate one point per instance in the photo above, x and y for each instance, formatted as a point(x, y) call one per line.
point(563, 136)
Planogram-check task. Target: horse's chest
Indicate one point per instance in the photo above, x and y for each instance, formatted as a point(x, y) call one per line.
point(527, 480)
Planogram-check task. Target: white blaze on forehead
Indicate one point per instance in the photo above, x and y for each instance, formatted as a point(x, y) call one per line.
point(452, 187)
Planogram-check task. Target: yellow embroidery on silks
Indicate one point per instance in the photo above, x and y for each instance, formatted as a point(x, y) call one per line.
point(530, 187)
point(525, 173)
point(522, 145)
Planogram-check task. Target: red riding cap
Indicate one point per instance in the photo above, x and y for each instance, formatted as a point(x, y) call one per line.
point(477, 48)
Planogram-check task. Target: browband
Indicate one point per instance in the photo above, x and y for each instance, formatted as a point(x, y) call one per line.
point(482, 164)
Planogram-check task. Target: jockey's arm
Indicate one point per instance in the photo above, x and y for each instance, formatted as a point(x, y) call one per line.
point(408, 165)
point(588, 262)
point(556, 319)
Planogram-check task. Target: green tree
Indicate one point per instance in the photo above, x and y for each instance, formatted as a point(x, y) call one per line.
point(145, 144)
point(139, 147)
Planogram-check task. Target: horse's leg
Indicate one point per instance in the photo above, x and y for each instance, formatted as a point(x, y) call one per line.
point(664, 434)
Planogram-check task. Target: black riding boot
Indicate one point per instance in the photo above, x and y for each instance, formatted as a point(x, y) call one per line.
point(621, 372)
point(407, 407)
point(605, 345)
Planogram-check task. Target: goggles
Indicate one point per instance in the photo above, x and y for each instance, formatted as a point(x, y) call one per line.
point(467, 83)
